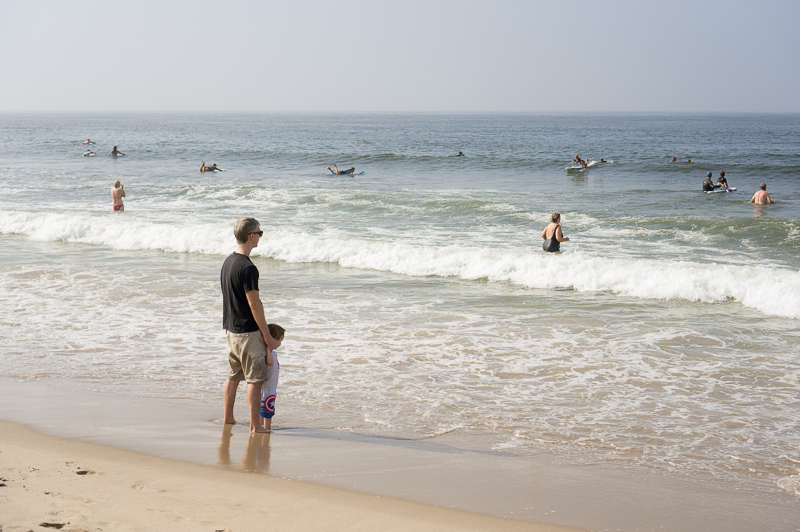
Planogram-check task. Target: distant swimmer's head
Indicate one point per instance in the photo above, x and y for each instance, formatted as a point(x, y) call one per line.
point(117, 183)
point(708, 174)
point(674, 159)
point(352, 168)
point(763, 186)
point(555, 217)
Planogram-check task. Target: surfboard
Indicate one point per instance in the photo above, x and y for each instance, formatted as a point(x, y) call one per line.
point(337, 175)
point(717, 191)
point(588, 165)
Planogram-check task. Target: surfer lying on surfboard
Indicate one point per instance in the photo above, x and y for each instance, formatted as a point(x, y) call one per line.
point(577, 159)
point(212, 168)
point(335, 170)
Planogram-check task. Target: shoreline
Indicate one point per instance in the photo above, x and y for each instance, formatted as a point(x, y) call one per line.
point(432, 473)
point(51, 482)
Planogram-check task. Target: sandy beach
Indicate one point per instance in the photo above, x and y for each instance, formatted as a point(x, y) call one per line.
point(53, 483)
point(190, 472)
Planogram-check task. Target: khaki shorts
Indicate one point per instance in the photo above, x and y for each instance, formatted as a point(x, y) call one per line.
point(247, 357)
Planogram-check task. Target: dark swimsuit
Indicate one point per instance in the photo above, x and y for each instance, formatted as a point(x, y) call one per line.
point(552, 244)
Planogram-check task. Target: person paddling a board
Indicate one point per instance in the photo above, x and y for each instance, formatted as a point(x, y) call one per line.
point(212, 168)
point(577, 160)
point(335, 170)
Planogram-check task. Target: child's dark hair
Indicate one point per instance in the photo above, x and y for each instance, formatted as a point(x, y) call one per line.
point(276, 331)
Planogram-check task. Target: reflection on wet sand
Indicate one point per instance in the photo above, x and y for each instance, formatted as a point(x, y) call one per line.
point(256, 454)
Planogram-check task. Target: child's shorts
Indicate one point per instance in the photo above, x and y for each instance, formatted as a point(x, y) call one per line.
point(268, 405)
point(270, 389)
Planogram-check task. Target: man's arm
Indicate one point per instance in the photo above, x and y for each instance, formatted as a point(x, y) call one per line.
point(258, 313)
point(753, 199)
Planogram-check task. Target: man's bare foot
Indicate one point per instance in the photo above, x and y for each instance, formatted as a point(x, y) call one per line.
point(259, 430)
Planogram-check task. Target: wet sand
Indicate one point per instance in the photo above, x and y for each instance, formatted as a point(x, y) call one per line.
point(51, 483)
point(176, 459)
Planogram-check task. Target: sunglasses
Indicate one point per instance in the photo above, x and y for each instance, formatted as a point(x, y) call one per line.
point(259, 233)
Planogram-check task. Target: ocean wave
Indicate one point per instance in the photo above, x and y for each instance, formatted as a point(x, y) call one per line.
point(771, 289)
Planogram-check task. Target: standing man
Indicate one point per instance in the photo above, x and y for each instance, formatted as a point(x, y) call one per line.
point(117, 193)
point(249, 343)
point(761, 196)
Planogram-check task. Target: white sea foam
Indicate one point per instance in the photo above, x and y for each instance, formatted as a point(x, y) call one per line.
point(769, 289)
point(790, 484)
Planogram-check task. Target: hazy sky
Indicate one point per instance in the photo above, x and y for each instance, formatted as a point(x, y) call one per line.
point(404, 55)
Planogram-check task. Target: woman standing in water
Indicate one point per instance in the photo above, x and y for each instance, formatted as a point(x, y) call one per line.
point(552, 234)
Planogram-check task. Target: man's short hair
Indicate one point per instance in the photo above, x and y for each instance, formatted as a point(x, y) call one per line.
point(243, 227)
point(763, 186)
point(276, 331)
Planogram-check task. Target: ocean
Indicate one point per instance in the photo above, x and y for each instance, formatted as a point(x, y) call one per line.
point(417, 299)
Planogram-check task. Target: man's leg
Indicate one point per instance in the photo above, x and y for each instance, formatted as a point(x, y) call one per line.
point(254, 401)
point(229, 399)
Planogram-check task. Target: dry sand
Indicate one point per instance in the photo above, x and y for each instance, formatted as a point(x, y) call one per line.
point(50, 483)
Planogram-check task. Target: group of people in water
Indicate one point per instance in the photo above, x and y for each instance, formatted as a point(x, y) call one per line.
point(553, 235)
point(722, 183)
point(761, 197)
point(89, 153)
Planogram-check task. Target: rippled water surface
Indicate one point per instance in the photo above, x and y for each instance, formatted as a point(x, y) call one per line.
point(416, 297)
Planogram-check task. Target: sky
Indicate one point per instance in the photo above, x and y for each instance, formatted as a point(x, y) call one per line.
point(405, 56)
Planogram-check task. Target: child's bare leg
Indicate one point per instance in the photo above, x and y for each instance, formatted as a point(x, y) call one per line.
point(266, 422)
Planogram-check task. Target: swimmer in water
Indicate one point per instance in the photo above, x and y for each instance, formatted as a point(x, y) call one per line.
point(552, 243)
point(335, 170)
point(722, 182)
point(117, 193)
point(577, 159)
point(674, 160)
point(708, 185)
point(460, 154)
point(88, 153)
point(761, 197)
point(87, 141)
point(115, 152)
point(212, 168)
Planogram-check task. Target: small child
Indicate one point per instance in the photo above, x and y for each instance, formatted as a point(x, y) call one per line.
point(270, 387)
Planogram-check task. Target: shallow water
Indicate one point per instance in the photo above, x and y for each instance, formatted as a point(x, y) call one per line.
point(417, 299)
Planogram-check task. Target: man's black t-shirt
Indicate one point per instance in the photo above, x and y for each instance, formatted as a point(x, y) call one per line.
point(238, 276)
